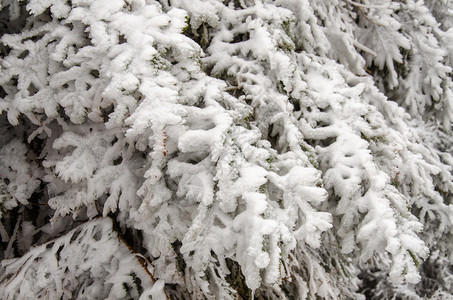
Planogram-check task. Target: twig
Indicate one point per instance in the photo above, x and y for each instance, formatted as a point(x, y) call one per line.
point(360, 6)
point(140, 258)
point(165, 142)
point(365, 48)
point(13, 238)
point(356, 4)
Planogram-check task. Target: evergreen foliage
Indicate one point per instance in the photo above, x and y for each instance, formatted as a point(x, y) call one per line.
point(235, 149)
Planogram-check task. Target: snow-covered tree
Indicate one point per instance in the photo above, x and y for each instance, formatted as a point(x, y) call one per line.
point(208, 149)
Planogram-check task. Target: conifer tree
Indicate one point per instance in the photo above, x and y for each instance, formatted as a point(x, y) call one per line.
point(226, 149)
